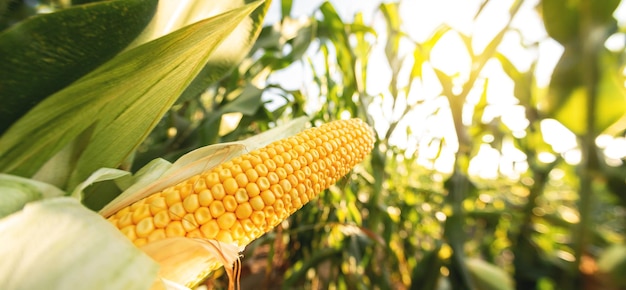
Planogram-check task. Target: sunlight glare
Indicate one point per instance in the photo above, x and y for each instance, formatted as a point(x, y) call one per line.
point(485, 163)
point(345, 115)
point(616, 149)
point(450, 56)
point(558, 136)
point(572, 157)
point(546, 157)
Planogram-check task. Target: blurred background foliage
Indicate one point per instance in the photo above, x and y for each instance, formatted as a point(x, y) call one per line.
point(478, 180)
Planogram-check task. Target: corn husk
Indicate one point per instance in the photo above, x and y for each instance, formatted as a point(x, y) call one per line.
point(57, 243)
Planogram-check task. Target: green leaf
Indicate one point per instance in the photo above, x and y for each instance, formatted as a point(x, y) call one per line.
point(285, 8)
point(333, 28)
point(488, 276)
point(567, 97)
point(47, 52)
point(392, 17)
point(232, 51)
point(101, 174)
point(613, 263)
point(18, 191)
point(426, 273)
point(59, 244)
point(123, 101)
point(561, 19)
point(247, 103)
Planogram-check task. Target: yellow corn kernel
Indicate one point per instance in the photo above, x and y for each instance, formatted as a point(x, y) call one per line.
point(257, 203)
point(156, 235)
point(242, 180)
point(157, 205)
point(205, 198)
point(175, 229)
point(268, 197)
point(140, 242)
point(241, 199)
point(218, 191)
point(217, 208)
point(230, 185)
point(212, 179)
point(241, 196)
point(172, 197)
point(230, 203)
point(125, 220)
point(145, 227)
point(226, 220)
point(140, 213)
point(189, 222)
point(203, 215)
point(177, 211)
point(191, 203)
point(243, 211)
point(210, 229)
point(161, 219)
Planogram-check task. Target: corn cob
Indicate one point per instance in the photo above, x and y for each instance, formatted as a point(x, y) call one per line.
point(240, 200)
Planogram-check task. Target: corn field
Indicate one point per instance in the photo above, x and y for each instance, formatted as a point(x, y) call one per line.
point(407, 144)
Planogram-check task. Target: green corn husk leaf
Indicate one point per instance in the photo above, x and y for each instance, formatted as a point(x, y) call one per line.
point(196, 162)
point(59, 244)
point(18, 191)
point(101, 174)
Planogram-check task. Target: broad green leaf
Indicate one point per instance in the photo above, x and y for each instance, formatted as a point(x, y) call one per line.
point(123, 102)
point(561, 19)
point(58, 169)
point(18, 191)
point(488, 276)
point(567, 99)
point(59, 244)
point(47, 52)
point(602, 11)
point(15, 12)
point(174, 14)
point(247, 103)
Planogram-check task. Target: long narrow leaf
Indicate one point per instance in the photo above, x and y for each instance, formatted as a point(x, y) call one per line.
point(125, 97)
point(42, 54)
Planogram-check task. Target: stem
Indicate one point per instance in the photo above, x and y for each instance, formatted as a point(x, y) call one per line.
point(590, 81)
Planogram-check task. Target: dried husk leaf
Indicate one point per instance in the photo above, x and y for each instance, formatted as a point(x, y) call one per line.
point(187, 261)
